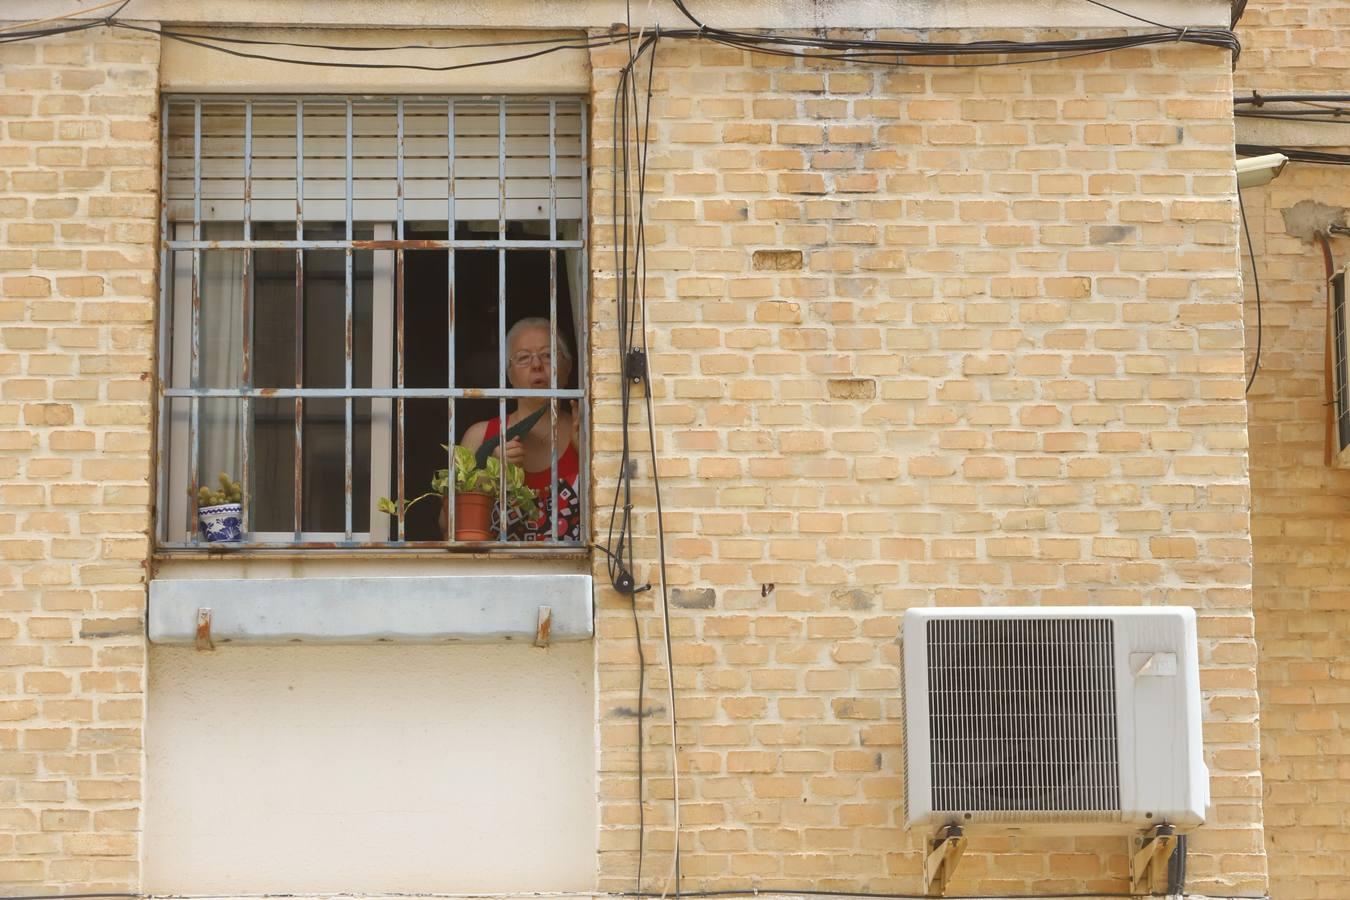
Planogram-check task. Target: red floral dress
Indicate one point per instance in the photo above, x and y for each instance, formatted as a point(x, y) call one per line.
point(569, 500)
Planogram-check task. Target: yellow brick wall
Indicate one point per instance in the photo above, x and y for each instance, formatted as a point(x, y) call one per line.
point(1293, 46)
point(1007, 369)
point(918, 337)
point(1300, 509)
point(78, 170)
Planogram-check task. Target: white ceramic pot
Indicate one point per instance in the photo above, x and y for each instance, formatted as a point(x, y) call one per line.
point(221, 523)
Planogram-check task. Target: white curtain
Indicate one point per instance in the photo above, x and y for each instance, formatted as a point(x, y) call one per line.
point(222, 358)
point(575, 261)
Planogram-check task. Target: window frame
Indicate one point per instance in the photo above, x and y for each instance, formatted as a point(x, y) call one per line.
point(170, 480)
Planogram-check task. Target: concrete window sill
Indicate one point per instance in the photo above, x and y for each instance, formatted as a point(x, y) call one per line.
point(409, 610)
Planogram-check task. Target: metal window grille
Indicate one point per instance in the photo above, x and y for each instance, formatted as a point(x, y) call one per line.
point(1341, 359)
point(264, 196)
point(1022, 715)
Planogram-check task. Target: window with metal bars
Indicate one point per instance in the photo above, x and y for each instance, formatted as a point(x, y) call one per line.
point(340, 276)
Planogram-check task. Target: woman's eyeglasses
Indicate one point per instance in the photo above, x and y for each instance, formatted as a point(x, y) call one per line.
point(525, 358)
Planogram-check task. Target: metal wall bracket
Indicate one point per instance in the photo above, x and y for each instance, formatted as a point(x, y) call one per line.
point(944, 852)
point(544, 630)
point(1150, 859)
point(203, 640)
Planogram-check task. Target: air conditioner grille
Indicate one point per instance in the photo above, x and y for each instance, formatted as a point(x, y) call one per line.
point(1022, 715)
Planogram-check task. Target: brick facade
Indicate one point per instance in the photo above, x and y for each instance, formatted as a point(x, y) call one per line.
point(79, 170)
point(949, 337)
point(961, 337)
point(1300, 508)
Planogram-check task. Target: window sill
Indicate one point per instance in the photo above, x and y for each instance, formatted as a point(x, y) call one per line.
point(408, 610)
point(463, 551)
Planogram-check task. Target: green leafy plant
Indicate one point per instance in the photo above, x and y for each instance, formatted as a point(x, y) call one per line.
point(228, 492)
point(471, 478)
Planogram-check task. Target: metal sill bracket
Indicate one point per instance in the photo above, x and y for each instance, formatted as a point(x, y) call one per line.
point(543, 632)
point(1150, 860)
point(944, 852)
point(203, 639)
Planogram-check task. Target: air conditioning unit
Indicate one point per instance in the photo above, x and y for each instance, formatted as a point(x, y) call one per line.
point(1080, 715)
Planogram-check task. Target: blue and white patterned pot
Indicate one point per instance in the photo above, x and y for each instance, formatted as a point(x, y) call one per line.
point(222, 522)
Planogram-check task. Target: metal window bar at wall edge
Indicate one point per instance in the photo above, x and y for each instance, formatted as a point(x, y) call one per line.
point(165, 325)
point(245, 403)
point(503, 511)
point(553, 318)
point(298, 483)
point(348, 332)
point(582, 328)
point(194, 378)
point(400, 436)
point(450, 423)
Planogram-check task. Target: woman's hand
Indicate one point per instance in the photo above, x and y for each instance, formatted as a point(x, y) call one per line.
point(513, 451)
point(576, 426)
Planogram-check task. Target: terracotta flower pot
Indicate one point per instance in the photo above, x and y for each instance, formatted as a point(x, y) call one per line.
point(473, 516)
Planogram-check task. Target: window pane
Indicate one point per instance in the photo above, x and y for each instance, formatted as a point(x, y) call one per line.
point(323, 325)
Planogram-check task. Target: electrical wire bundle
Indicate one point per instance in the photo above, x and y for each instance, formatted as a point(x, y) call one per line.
point(632, 116)
point(855, 50)
point(911, 53)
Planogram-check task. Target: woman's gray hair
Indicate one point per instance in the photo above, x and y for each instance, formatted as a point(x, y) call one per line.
point(538, 322)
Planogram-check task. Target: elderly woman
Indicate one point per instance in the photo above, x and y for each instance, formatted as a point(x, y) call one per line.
point(528, 358)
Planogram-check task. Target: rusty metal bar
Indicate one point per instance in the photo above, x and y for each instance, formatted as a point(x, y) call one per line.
point(553, 318)
point(399, 401)
point(299, 170)
point(165, 330)
point(501, 311)
point(248, 175)
point(407, 244)
point(399, 313)
point(298, 485)
point(246, 373)
point(391, 393)
point(194, 435)
point(349, 343)
point(582, 330)
point(398, 172)
point(450, 316)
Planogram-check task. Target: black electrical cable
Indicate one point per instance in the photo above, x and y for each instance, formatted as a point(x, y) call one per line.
point(1315, 110)
point(1256, 282)
point(811, 892)
point(637, 622)
point(198, 41)
point(629, 275)
point(1295, 154)
point(378, 48)
point(1128, 15)
point(1257, 99)
point(872, 52)
point(651, 446)
point(1219, 37)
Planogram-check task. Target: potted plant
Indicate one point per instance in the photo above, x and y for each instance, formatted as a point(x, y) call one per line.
point(476, 489)
point(220, 511)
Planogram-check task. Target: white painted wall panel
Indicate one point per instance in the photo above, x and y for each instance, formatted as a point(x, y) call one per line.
point(370, 769)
